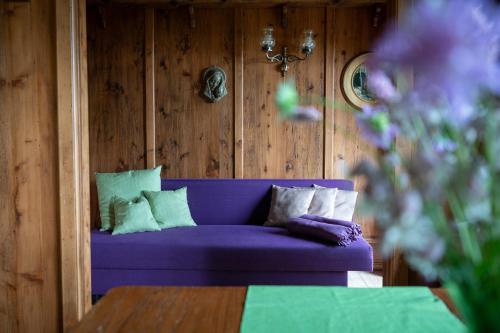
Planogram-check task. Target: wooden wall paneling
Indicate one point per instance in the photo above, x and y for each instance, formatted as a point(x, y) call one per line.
point(116, 37)
point(329, 111)
point(242, 135)
point(72, 119)
point(276, 148)
point(239, 89)
point(194, 138)
point(29, 237)
point(354, 35)
point(150, 89)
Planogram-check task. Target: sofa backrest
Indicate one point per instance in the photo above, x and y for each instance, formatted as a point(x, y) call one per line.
point(238, 201)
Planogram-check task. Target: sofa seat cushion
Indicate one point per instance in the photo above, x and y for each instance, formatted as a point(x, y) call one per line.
point(225, 247)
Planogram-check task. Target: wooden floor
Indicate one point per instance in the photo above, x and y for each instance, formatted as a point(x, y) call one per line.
point(364, 280)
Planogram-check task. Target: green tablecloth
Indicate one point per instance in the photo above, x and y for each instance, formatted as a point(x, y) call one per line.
point(288, 309)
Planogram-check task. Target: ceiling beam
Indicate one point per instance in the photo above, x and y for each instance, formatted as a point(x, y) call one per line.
point(236, 3)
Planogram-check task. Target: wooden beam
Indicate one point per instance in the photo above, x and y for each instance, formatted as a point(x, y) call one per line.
point(72, 105)
point(251, 3)
point(150, 88)
point(238, 94)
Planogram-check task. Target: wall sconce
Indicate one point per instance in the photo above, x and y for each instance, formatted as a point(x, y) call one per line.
point(268, 42)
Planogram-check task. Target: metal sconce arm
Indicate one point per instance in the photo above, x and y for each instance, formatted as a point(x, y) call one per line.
point(268, 42)
point(284, 58)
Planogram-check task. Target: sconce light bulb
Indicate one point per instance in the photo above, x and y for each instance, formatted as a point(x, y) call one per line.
point(268, 41)
point(308, 44)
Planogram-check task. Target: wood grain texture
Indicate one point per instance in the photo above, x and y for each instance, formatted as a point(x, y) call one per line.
point(194, 137)
point(239, 93)
point(275, 148)
point(84, 152)
point(329, 111)
point(29, 237)
point(116, 92)
point(167, 309)
point(150, 91)
point(178, 309)
point(72, 119)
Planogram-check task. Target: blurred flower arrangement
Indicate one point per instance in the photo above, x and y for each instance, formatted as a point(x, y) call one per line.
point(440, 203)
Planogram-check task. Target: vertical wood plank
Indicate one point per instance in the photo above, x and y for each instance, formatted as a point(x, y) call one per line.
point(116, 69)
point(195, 138)
point(238, 95)
point(65, 103)
point(150, 89)
point(73, 159)
point(20, 184)
point(275, 148)
point(30, 294)
point(329, 121)
point(84, 153)
point(8, 253)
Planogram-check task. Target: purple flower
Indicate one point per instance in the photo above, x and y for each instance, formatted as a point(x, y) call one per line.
point(453, 50)
point(376, 127)
point(383, 88)
point(444, 145)
point(305, 113)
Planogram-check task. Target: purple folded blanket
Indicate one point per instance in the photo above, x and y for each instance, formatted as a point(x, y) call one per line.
point(355, 228)
point(336, 233)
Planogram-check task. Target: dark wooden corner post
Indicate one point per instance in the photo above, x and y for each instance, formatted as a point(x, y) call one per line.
point(73, 141)
point(395, 269)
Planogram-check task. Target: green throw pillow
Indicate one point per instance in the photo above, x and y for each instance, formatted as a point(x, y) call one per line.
point(170, 208)
point(133, 216)
point(127, 185)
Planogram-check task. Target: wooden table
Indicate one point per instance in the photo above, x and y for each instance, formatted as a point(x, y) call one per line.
point(175, 309)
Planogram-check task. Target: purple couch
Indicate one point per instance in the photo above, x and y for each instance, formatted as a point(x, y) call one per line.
point(228, 247)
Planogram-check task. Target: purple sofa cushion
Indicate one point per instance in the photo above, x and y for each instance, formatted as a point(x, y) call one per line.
point(225, 247)
point(238, 201)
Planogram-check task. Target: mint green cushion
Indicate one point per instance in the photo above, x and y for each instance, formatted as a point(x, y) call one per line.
point(170, 208)
point(133, 216)
point(127, 185)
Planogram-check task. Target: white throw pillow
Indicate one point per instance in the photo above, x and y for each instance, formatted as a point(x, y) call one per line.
point(323, 202)
point(287, 203)
point(345, 203)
